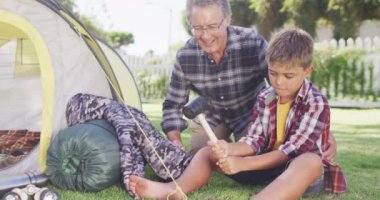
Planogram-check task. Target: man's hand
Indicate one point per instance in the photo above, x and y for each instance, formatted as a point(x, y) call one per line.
point(218, 150)
point(175, 137)
point(229, 165)
point(329, 154)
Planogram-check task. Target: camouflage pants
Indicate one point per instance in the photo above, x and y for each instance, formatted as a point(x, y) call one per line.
point(138, 145)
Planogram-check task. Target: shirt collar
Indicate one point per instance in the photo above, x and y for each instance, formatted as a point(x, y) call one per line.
point(303, 91)
point(271, 95)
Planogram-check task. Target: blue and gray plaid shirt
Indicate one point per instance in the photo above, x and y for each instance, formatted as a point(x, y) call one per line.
point(230, 87)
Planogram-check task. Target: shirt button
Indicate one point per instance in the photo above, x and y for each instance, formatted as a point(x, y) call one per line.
point(221, 97)
point(212, 61)
point(219, 78)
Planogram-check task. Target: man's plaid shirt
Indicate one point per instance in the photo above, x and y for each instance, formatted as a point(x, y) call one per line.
point(307, 129)
point(230, 86)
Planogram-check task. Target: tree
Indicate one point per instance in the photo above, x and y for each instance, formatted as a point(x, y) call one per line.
point(69, 5)
point(269, 15)
point(241, 13)
point(304, 14)
point(92, 27)
point(86, 21)
point(346, 16)
point(118, 39)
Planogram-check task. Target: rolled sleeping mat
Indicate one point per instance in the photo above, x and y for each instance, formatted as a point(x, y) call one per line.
point(84, 157)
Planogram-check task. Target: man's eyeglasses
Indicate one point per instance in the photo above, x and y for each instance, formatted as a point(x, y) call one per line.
point(211, 29)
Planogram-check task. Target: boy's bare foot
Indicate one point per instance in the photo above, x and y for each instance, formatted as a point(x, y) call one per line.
point(150, 189)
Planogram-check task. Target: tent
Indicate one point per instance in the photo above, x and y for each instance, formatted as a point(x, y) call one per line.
point(46, 57)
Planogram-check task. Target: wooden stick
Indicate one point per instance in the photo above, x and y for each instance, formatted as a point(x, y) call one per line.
point(206, 126)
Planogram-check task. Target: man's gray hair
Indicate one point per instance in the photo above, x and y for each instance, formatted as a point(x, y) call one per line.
point(223, 4)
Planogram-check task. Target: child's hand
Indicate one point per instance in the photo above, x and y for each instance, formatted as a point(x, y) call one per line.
point(218, 149)
point(229, 165)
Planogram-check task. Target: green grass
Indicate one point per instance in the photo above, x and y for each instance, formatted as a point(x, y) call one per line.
point(358, 136)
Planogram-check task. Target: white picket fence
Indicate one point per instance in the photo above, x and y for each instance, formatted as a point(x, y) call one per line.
point(162, 65)
point(369, 44)
point(372, 47)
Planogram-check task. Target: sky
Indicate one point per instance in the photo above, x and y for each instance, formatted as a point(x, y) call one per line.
point(155, 24)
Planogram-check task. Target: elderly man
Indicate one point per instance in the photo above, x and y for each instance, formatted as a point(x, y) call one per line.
point(222, 63)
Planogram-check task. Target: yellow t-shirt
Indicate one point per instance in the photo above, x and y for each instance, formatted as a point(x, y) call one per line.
point(282, 115)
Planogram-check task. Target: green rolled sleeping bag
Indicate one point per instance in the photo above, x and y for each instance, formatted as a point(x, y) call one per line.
point(84, 157)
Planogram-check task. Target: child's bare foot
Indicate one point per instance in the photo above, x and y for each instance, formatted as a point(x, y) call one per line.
point(150, 189)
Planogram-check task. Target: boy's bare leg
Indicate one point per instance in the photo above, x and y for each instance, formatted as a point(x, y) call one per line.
point(293, 182)
point(195, 175)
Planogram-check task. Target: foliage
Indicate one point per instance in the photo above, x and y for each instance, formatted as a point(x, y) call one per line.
point(343, 73)
point(345, 16)
point(269, 15)
point(340, 74)
point(152, 85)
point(304, 14)
point(118, 39)
point(241, 14)
point(92, 27)
point(176, 46)
point(70, 5)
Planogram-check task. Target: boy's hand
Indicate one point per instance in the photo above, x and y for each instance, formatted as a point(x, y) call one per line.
point(218, 150)
point(229, 165)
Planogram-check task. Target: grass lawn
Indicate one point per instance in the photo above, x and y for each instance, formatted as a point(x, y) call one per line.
point(358, 136)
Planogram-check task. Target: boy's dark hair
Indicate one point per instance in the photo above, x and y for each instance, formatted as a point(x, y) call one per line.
point(292, 47)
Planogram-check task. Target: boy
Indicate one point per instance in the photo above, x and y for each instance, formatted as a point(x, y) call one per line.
point(290, 124)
